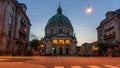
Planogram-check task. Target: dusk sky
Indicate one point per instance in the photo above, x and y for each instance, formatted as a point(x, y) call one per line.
point(40, 11)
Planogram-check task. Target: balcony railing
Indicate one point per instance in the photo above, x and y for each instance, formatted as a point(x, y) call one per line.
point(110, 28)
point(22, 32)
point(109, 36)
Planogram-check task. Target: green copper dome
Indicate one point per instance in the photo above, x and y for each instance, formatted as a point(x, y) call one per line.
point(59, 19)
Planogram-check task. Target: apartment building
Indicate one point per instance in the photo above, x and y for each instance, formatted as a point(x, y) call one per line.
point(14, 27)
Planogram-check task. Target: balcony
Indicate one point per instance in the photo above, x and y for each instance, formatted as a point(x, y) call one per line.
point(109, 36)
point(108, 29)
point(22, 32)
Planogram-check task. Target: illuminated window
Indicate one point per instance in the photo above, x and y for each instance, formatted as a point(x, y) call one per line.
point(10, 20)
point(61, 42)
point(25, 29)
point(67, 42)
point(55, 42)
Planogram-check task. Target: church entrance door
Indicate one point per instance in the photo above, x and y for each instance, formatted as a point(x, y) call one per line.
point(67, 51)
point(61, 50)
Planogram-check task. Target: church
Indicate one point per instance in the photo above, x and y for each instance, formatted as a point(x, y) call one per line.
point(59, 36)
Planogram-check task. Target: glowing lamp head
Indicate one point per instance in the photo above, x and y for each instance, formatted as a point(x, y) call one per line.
point(89, 9)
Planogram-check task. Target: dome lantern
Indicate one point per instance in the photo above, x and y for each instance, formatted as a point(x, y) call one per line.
point(59, 10)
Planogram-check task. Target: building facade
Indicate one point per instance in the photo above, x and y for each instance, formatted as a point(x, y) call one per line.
point(109, 29)
point(109, 32)
point(87, 49)
point(59, 37)
point(14, 27)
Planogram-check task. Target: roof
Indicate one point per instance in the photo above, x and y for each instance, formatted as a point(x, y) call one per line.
point(112, 13)
point(59, 18)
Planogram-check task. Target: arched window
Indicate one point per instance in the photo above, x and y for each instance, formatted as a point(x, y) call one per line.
point(60, 30)
point(63, 30)
point(61, 42)
point(47, 32)
point(51, 31)
point(68, 32)
point(67, 42)
point(56, 31)
point(55, 42)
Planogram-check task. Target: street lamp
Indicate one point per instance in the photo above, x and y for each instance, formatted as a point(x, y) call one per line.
point(95, 48)
point(40, 48)
point(89, 9)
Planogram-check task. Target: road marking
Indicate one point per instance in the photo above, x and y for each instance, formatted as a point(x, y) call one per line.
point(93, 66)
point(76, 67)
point(60, 57)
point(110, 66)
point(118, 65)
point(19, 62)
point(4, 59)
point(59, 66)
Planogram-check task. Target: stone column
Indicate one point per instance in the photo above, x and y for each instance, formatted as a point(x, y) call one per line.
point(70, 48)
point(57, 47)
point(64, 47)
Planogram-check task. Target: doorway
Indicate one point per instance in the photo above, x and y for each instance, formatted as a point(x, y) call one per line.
point(61, 50)
point(67, 51)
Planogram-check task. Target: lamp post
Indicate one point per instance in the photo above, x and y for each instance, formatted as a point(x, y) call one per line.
point(54, 46)
point(89, 8)
point(53, 49)
point(95, 49)
point(40, 48)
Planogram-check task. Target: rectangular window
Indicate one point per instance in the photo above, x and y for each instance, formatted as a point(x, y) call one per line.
point(111, 24)
point(10, 21)
point(21, 27)
point(11, 11)
point(0, 4)
point(10, 33)
point(8, 44)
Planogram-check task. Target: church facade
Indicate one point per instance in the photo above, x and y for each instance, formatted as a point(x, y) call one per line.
point(59, 36)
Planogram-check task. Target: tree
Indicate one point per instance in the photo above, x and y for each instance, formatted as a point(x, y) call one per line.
point(35, 44)
point(102, 48)
point(41, 46)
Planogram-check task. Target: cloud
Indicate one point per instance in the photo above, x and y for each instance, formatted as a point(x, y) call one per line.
point(33, 36)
